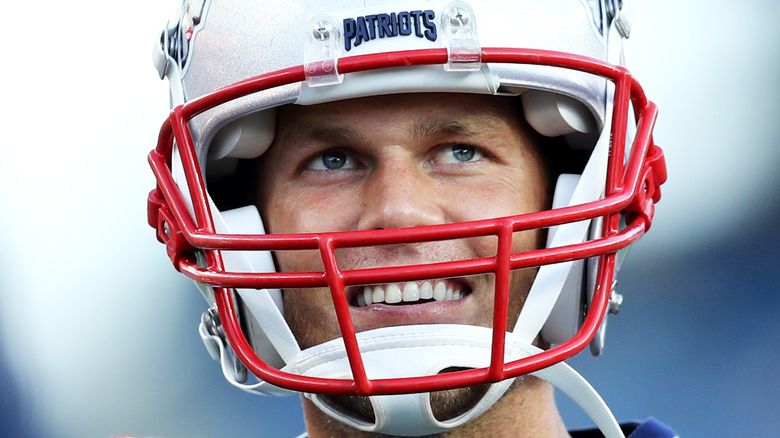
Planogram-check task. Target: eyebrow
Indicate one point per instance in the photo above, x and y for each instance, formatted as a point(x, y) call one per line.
point(429, 127)
point(467, 125)
point(338, 134)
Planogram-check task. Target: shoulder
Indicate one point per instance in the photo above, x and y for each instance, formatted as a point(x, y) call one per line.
point(650, 428)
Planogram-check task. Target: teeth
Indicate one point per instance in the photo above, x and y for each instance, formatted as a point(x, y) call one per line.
point(440, 292)
point(411, 292)
point(393, 294)
point(361, 300)
point(379, 295)
point(426, 291)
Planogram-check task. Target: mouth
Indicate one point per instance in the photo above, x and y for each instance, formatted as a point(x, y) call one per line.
point(409, 293)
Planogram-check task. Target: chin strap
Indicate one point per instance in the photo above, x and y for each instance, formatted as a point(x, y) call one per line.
point(417, 351)
point(392, 352)
point(426, 350)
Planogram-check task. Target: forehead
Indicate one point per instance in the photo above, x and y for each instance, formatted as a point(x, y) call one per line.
point(460, 113)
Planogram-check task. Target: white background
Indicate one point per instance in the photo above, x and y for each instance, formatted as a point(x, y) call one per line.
point(97, 331)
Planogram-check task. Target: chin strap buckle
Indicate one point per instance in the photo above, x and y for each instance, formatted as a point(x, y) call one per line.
point(215, 340)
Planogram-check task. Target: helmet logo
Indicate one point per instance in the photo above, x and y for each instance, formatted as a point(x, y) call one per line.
point(366, 28)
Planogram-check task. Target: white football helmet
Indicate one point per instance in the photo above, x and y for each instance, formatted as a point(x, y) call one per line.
point(230, 63)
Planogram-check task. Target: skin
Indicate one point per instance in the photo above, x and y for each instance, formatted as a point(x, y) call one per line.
point(403, 161)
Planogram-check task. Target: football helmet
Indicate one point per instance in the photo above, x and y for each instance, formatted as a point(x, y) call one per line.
point(232, 63)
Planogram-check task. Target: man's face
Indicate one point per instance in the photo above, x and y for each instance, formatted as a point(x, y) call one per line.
point(393, 162)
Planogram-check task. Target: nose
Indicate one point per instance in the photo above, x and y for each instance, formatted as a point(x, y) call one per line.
point(398, 193)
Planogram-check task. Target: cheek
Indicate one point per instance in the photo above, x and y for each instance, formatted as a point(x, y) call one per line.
point(287, 213)
point(501, 199)
point(311, 316)
point(310, 212)
point(520, 284)
point(502, 190)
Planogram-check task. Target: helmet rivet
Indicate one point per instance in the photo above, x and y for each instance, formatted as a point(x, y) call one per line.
point(458, 17)
point(321, 31)
point(212, 321)
point(615, 300)
point(166, 229)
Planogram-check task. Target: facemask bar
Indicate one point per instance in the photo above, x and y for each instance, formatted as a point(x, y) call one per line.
point(632, 188)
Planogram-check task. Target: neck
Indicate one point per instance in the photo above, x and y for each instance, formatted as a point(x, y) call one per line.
point(526, 410)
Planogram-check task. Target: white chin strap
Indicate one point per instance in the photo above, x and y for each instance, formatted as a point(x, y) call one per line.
point(390, 352)
point(418, 351)
point(426, 350)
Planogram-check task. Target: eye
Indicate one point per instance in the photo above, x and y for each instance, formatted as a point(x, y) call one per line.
point(463, 153)
point(332, 160)
point(458, 154)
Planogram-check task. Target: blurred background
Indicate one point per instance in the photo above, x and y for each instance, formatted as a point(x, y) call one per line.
point(98, 332)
